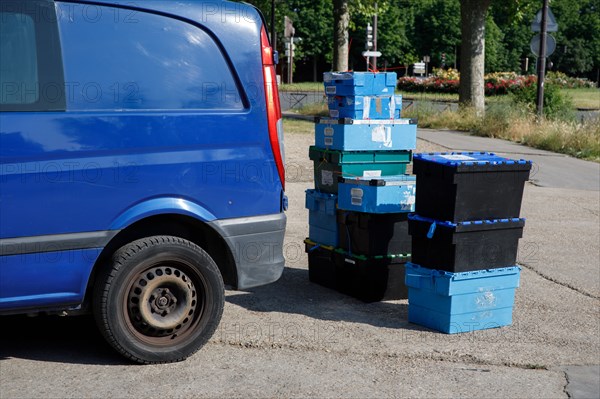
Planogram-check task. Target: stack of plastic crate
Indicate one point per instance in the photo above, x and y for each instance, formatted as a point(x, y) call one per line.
point(465, 235)
point(358, 226)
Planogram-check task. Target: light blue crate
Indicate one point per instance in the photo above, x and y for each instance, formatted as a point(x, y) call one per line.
point(459, 323)
point(389, 194)
point(365, 107)
point(322, 222)
point(461, 302)
point(366, 134)
point(359, 83)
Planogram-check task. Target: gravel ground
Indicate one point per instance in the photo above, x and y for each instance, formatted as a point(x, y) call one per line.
point(297, 339)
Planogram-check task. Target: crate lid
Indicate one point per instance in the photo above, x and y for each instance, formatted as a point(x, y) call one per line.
point(395, 257)
point(318, 194)
point(331, 76)
point(413, 267)
point(311, 245)
point(358, 157)
point(466, 226)
point(396, 180)
point(350, 121)
point(470, 161)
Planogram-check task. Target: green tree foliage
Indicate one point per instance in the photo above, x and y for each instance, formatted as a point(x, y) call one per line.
point(578, 37)
point(409, 30)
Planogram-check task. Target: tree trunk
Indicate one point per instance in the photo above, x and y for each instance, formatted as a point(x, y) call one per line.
point(472, 53)
point(341, 18)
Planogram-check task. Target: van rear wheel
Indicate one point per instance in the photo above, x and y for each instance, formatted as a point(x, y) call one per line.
point(160, 299)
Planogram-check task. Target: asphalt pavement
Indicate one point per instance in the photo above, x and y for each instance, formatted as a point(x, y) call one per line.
point(564, 218)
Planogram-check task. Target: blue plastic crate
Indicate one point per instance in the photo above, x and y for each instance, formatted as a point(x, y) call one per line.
point(390, 194)
point(359, 83)
point(322, 220)
point(461, 302)
point(365, 107)
point(366, 134)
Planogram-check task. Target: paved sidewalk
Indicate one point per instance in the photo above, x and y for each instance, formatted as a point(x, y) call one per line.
point(550, 169)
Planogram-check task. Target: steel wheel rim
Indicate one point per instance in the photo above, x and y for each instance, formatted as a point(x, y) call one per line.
point(165, 302)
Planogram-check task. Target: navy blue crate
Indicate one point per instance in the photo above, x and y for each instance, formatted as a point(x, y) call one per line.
point(465, 246)
point(389, 194)
point(365, 107)
point(359, 83)
point(469, 185)
point(366, 134)
point(322, 221)
point(461, 302)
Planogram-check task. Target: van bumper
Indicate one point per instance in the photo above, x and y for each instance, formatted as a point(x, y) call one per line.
point(257, 247)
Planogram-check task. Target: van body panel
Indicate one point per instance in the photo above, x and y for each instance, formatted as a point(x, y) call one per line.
point(150, 108)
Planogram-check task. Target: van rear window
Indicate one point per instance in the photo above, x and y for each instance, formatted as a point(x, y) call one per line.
point(119, 59)
point(31, 75)
point(18, 63)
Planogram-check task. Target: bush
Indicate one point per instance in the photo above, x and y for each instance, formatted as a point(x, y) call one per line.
point(557, 106)
point(497, 83)
point(566, 82)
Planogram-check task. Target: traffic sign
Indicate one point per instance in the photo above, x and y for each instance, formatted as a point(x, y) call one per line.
point(419, 67)
point(534, 45)
point(371, 53)
point(551, 24)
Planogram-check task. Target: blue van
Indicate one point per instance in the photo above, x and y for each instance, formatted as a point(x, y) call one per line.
point(141, 165)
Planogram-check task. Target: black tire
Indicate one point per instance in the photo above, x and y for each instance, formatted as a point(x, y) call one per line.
point(159, 300)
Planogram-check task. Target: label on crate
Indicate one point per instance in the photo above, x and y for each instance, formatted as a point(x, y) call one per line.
point(371, 173)
point(382, 134)
point(334, 113)
point(328, 131)
point(330, 90)
point(327, 178)
point(328, 141)
point(356, 196)
point(366, 107)
point(458, 157)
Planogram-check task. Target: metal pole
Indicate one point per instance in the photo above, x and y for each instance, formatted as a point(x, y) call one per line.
point(273, 34)
point(291, 66)
point(542, 61)
point(375, 38)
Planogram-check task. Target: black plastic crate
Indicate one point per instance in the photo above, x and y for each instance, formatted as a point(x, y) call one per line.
point(469, 186)
point(321, 265)
point(371, 279)
point(373, 234)
point(464, 246)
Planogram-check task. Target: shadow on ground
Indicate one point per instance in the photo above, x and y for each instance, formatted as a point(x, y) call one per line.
point(295, 294)
point(74, 340)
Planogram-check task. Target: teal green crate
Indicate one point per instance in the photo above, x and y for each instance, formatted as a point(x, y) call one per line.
point(331, 164)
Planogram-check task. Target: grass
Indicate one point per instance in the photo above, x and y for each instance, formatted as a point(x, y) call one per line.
point(506, 121)
point(584, 98)
point(298, 126)
point(302, 86)
point(503, 119)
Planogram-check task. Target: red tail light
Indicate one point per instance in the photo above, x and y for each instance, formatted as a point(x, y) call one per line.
point(273, 107)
